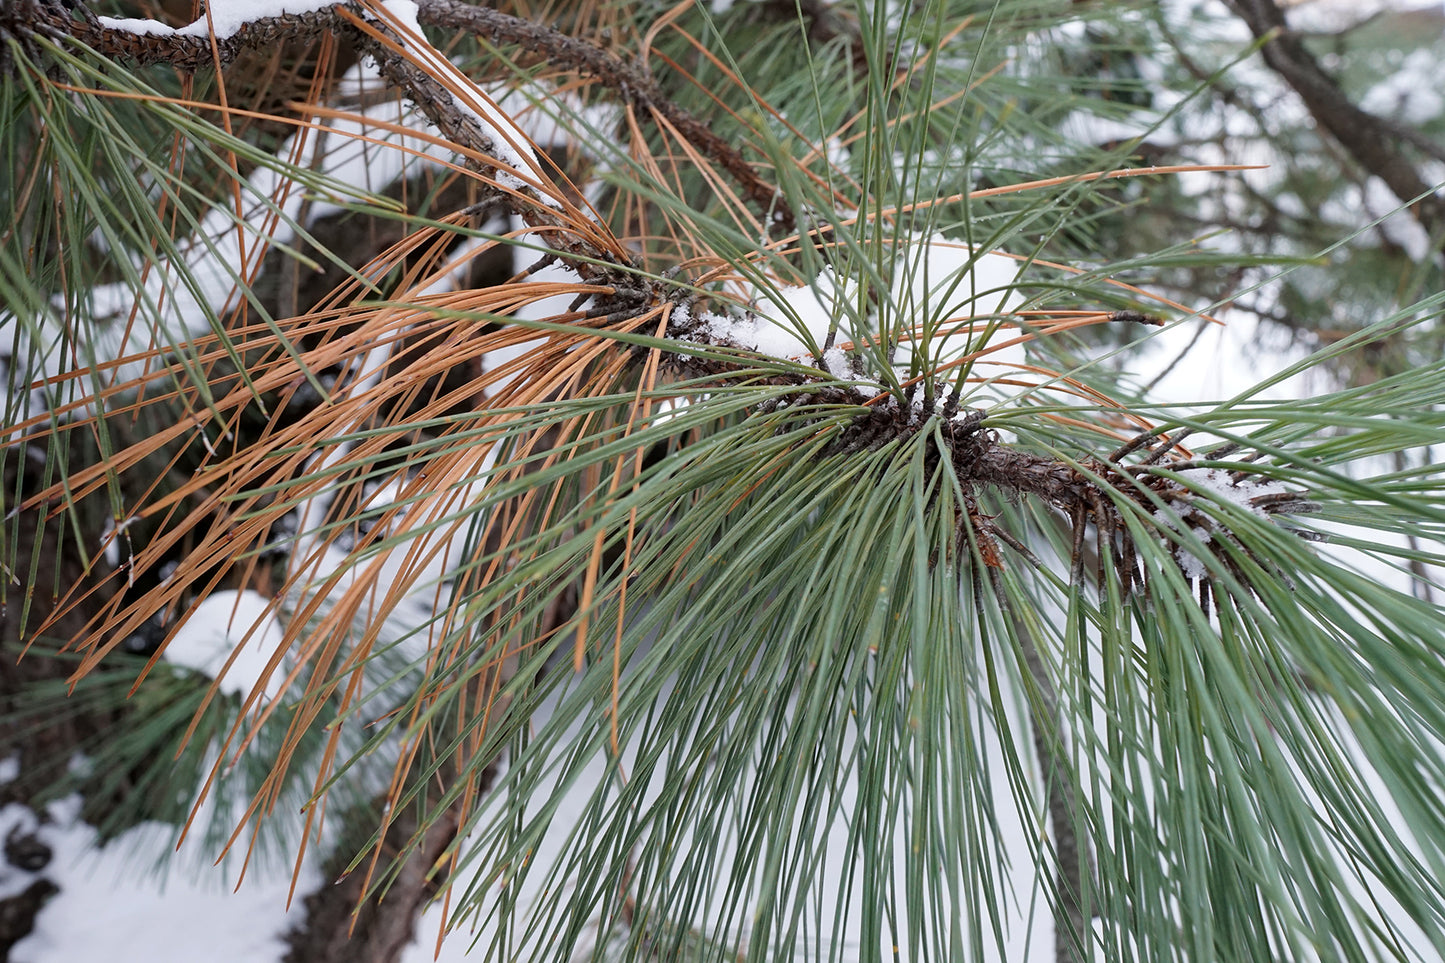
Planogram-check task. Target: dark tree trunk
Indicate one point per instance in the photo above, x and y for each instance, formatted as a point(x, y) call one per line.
point(344, 924)
point(1376, 144)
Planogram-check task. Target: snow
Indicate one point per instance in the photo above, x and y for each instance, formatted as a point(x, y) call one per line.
point(217, 626)
point(1412, 92)
point(1395, 223)
point(110, 547)
point(785, 313)
point(416, 568)
point(1338, 16)
point(1216, 486)
point(9, 769)
point(111, 908)
point(951, 297)
point(530, 247)
point(946, 301)
point(1220, 487)
point(225, 17)
point(835, 362)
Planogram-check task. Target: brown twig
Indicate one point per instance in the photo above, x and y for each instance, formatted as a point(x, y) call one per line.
point(1370, 140)
point(632, 84)
point(1074, 870)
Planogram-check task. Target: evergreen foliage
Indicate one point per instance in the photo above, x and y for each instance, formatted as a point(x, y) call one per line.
point(725, 413)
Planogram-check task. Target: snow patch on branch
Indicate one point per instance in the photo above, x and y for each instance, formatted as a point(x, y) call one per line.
point(224, 17)
point(948, 307)
point(786, 322)
point(511, 148)
point(227, 621)
point(1217, 486)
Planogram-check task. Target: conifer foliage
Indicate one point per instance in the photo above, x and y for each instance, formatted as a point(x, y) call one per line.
point(421, 412)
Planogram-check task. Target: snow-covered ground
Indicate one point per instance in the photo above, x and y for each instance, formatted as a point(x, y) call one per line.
point(112, 907)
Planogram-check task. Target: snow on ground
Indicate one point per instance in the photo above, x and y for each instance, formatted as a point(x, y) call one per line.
point(115, 905)
point(109, 907)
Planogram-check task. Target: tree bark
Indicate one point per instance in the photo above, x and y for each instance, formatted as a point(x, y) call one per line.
point(1372, 141)
point(344, 925)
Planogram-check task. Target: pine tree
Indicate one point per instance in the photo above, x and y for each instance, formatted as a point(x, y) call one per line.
point(716, 411)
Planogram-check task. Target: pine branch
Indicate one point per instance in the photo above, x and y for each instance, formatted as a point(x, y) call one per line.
point(629, 82)
point(181, 52)
point(977, 456)
point(1074, 869)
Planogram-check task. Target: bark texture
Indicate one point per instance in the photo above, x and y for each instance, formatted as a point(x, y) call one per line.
point(1375, 144)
